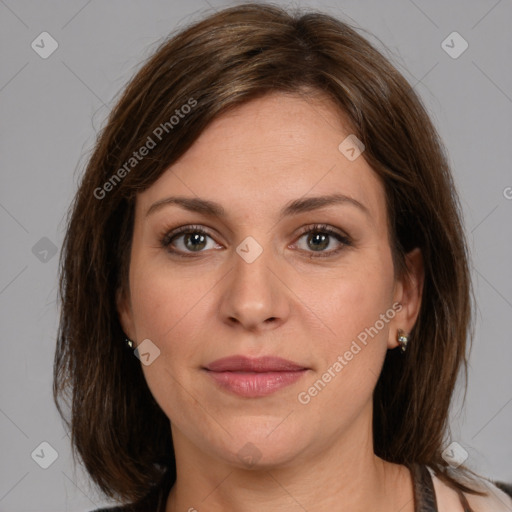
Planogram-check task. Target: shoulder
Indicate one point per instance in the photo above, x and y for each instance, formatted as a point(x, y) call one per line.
point(496, 500)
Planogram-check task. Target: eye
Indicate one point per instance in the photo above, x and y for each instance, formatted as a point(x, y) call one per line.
point(186, 239)
point(319, 237)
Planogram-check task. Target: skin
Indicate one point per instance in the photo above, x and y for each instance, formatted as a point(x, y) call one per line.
point(253, 161)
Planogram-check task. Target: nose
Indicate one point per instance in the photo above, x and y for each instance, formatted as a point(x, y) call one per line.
point(253, 296)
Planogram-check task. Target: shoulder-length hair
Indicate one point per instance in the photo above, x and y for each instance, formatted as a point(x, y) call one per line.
point(229, 58)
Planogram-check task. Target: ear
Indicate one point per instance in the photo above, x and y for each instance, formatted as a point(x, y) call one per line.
point(408, 291)
point(125, 312)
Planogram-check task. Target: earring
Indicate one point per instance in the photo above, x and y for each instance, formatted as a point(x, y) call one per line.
point(129, 342)
point(403, 339)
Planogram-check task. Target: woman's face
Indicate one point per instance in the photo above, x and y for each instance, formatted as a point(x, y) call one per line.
point(264, 281)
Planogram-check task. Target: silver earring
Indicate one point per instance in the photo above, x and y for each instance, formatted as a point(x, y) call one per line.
point(403, 339)
point(129, 342)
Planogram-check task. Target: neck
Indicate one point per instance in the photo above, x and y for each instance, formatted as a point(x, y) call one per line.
point(344, 474)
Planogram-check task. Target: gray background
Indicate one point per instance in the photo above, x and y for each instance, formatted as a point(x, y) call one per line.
point(52, 108)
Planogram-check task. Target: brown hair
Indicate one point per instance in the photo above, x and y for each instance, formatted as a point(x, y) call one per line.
point(225, 60)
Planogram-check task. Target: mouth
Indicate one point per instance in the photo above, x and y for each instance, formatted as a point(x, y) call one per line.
point(254, 377)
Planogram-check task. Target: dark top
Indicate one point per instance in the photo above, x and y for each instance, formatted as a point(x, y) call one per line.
point(424, 495)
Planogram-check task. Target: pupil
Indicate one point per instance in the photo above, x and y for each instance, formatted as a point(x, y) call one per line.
point(197, 239)
point(322, 238)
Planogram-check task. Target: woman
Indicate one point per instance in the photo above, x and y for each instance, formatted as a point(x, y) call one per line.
point(264, 282)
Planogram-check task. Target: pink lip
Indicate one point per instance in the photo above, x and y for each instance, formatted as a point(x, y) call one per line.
point(257, 377)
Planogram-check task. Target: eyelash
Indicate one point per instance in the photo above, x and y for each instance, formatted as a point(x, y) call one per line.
point(169, 237)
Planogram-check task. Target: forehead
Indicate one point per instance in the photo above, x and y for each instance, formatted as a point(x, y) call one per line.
point(267, 152)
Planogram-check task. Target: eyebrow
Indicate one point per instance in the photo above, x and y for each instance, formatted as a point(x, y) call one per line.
point(302, 205)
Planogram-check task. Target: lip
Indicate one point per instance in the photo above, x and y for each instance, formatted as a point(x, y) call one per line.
point(253, 364)
point(254, 377)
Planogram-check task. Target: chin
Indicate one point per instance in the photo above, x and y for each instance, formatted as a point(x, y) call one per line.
point(263, 445)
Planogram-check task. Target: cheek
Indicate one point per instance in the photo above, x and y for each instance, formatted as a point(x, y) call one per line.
point(354, 299)
point(357, 313)
point(165, 299)
point(170, 311)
